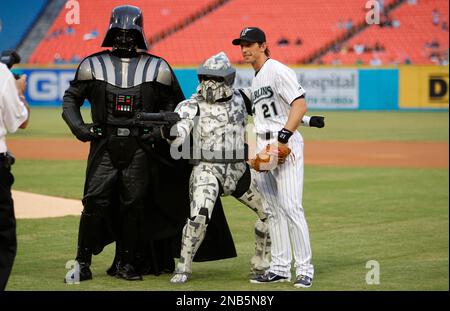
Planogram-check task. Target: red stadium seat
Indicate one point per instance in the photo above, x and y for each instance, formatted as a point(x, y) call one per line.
point(409, 40)
point(94, 19)
point(316, 23)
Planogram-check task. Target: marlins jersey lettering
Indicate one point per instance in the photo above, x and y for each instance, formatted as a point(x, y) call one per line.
point(274, 88)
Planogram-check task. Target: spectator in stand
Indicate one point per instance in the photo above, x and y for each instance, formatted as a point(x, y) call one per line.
point(359, 48)
point(378, 47)
point(336, 61)
point(444, 26)
point(336, 48)
point(375, 61)
point(298, 41)
point(90, 35)
point(434, 44)
point(57, 59)
point(70, 31)
point(395, 23)
point(75, 59)
point(348, 24)
point(385, 21)
point(434, 58)
point(435, 17)
point(283, 41)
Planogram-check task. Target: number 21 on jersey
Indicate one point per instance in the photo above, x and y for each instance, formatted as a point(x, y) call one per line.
point(269, 110)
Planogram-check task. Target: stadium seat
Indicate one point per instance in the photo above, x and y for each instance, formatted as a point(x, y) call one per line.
point(63, 43)
point(410, 42)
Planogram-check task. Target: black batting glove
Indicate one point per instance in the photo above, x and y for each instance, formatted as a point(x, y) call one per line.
point(152, 135)
point(166, 131)
point(317, 121)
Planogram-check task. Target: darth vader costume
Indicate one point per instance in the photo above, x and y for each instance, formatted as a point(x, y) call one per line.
point(135, 194)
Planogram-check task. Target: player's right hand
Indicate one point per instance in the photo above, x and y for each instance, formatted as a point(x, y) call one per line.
point(317, 121)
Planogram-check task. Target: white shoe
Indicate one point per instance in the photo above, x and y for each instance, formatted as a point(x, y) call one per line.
point(179, 278)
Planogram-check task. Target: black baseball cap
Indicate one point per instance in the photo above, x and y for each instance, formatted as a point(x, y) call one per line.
point(250, 34)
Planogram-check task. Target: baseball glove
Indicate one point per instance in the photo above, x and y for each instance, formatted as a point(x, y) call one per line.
point(270, 157)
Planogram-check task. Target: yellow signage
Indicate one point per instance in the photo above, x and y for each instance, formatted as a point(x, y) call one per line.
point(423, 87)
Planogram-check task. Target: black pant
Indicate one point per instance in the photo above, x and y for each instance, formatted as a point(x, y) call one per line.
point(131, 185)
point(8, 242)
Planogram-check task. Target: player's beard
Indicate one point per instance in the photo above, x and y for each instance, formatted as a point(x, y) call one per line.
point(248, 58)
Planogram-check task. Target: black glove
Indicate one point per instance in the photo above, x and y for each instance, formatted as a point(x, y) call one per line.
point(166, 129)
point(152, 135)
point(88, 132)
point(317, 121)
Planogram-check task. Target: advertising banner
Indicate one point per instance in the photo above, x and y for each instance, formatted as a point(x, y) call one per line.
point(424, 87)
point(325, 88)
point(46, 87)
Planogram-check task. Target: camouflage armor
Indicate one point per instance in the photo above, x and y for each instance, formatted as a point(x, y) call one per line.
point(216, 115)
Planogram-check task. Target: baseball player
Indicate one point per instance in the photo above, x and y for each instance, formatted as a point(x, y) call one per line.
point(278, 108)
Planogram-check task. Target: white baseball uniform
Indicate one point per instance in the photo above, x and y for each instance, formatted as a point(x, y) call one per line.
point(273, 89)
point(12, 111)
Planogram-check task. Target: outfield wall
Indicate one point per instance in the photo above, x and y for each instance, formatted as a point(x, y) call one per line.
point(335, 88)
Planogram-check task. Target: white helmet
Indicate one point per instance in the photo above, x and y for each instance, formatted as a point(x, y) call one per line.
point(216, 76)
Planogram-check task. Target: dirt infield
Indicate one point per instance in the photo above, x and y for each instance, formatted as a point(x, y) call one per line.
point(30, 205)
point(329, 153)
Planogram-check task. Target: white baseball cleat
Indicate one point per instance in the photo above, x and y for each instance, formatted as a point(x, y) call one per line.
point(179, 278)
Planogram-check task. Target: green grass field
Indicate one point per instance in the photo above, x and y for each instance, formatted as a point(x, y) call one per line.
point(340, 125)
point(398, 217)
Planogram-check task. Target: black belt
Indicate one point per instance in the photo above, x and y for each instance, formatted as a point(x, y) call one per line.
point(267, 135)
point(123, 131)
point(6, 159)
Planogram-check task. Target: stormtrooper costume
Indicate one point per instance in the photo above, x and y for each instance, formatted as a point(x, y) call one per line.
point(216, 116)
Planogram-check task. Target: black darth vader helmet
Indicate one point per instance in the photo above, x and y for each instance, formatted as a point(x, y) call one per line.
point(126, 27)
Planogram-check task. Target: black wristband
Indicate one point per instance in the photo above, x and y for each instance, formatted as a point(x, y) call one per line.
point(284, 135)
